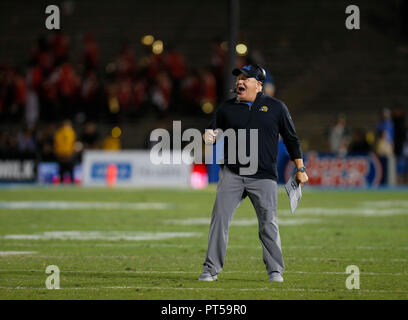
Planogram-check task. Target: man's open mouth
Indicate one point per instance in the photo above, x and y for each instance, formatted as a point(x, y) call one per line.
point(241, 89)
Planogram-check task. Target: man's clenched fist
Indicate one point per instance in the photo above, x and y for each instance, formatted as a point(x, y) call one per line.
point(209, 136)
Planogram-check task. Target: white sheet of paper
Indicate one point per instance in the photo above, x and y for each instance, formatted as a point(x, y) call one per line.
point(294, 191)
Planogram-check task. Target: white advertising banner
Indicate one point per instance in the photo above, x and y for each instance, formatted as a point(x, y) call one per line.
point(15, 170)
point(133, 169)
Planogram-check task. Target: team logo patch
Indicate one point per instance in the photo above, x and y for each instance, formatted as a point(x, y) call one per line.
point(264, 109)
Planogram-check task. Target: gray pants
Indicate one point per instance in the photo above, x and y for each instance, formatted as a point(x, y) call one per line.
point(231, 190)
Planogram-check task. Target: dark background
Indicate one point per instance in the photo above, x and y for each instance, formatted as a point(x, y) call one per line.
point(320, 68)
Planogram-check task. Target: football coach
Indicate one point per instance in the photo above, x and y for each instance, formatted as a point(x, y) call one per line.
point(251, 109)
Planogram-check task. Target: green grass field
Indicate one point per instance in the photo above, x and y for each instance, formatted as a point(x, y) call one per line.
point(150, 244)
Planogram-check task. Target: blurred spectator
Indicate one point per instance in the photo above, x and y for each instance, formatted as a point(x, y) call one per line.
point(126, 61)
point(386, 125)
point(26, 140)
point(34, 78)
point(12, 147)
point(124, 93)
point(139, 97)
point(4, 82)
point(51, 89)
point(400, 132)
point(68, 85)
point(20, 95)
point(398, 120)
point(60, 46)
point(12, 93)
point(112, 101)
point(339, 136)
point(64, 148)
point(90, 136)
point(154, 65)
point(384, 147)
point(32, 108)
point(218, 61)
point(209, 83)
point(174, 62)
point(112, 141)
point(91, 53)
point(405, 156)
point(269, 85)
point(191, 91)
point(90, 95)
point(42, 55)
point(5, 151)
point(359, 144)
point(161, 93)
point(49, 103)
point(111, 144)
point(46, 143)
point(218, 56)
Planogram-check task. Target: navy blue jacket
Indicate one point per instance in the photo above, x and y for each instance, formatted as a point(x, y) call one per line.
point(271, 117)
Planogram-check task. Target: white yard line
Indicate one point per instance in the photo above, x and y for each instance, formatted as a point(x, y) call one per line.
point(362, 211)
point(385, 203)
point(14, 253)
point(100, 235)
point(242, 222)
point(80, 205)
point(374, 208)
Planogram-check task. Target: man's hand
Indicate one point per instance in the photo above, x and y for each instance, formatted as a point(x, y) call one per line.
point(209, 136)
point(302, 178)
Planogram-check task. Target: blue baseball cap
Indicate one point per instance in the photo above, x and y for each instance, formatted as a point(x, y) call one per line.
point(251, 71)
